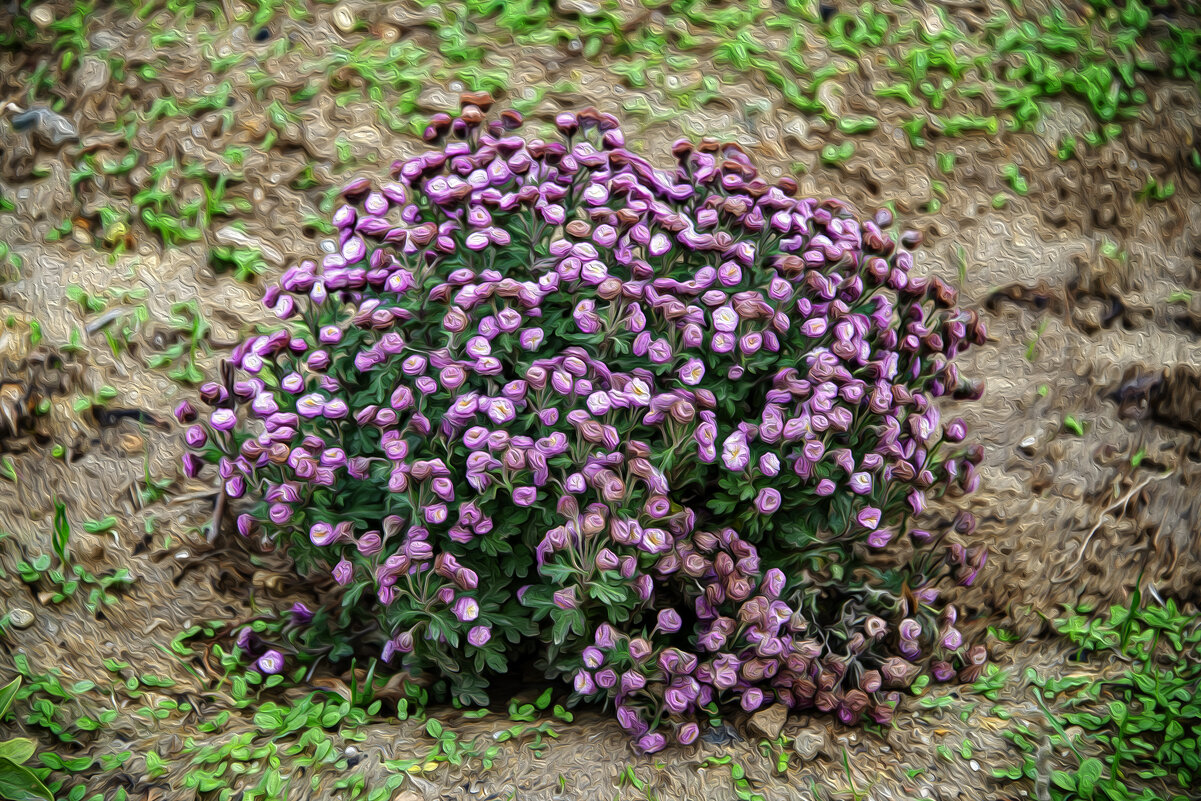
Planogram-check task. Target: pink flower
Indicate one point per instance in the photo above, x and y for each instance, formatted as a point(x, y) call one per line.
point(860, 483)
point(479, 636)
point(692, 372)
point(668, 621)
point(868, 517)
point(735, 452)
point(768, 500)
point(466, 609)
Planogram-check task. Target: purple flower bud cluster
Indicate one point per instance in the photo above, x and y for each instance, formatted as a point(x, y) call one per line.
point(537, 386)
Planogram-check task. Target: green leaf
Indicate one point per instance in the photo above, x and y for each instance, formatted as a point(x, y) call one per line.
point(62, 531)
point(1063, 780)
point(1088, 776)
point(18, 749)
point(100, 526)
point(8, 693)
point(20, 784)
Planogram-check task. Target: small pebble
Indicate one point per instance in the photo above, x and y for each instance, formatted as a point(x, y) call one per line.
point(344, 18)
point(42, 16)
point(1028, 445)
point(974, 765)
point(21, 618)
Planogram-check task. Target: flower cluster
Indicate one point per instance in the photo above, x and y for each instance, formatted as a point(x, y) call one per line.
point(659, 430)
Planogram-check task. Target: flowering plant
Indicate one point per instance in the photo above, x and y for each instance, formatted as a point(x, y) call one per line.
point(653, 429)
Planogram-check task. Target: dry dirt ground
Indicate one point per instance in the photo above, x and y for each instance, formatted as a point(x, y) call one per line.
point(1092, 298)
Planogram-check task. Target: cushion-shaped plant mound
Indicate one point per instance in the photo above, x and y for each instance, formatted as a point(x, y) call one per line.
point(659, 430)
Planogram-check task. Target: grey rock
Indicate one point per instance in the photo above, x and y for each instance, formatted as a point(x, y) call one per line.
point(48, 124)
point(720, 735)
point(808, 744)
point(92, 76)
point(768, 723)
point(232, 237)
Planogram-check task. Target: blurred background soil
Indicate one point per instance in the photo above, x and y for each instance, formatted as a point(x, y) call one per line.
point(1088, 276)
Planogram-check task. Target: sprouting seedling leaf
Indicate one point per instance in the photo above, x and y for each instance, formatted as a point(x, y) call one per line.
point(62, 531)
point(1073, 425)
point(100, 526)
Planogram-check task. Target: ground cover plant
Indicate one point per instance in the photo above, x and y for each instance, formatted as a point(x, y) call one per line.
point(1140, 720)
point(647, 429)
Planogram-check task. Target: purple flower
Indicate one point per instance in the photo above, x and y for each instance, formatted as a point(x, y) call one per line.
point(768, 500)
point(879, 538)
point(752, 699)
point(479, 636)
point(223, 419)
point(270, 663)
point(650, 743)
point(951, 639)
point(185, 412)
point(639, 649)
point(687, 733)
point(301, 614)
point(868, 517)
point(735, 453)
point(343, 572)
point(566, 598)
point(466, 609)
point(584, 683)
point(860, 483)
point(668, 621)
point(195, 436)
point(525, 496)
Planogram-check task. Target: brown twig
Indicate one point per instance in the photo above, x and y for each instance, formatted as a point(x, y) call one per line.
point(1121, 503)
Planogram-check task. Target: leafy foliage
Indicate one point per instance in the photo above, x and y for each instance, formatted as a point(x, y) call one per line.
point(1142, 723)
point(17, 782)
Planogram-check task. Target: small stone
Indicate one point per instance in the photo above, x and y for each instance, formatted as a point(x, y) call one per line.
point(974, 765)
point(344, 18)
point(91, 547)
point(807, 744)
point(232, 237)
point(93, 75)
point(1028, 445)
point(47, 124)
point(720, 734)
point(581, 7)
point(21, 617)
point(42, 16)
point(768, 722)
